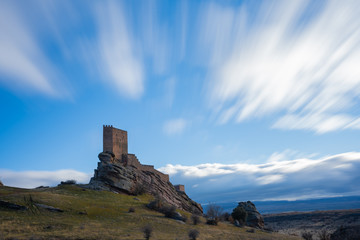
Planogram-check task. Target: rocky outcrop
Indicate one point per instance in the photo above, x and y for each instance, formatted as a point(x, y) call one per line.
point(112, 175)
point(254, 218)
point(1, 184)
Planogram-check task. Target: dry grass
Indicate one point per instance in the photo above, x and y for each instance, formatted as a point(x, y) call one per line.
point(102, 215)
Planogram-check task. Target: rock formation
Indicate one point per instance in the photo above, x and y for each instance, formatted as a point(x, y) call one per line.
point(1, 184)
point(254, 218)
point(113, 175)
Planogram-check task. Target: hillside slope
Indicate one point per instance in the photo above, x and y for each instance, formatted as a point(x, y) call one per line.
point(90, 214)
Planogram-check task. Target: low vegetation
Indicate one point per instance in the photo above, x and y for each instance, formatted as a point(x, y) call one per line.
point(193, 234)
point(239, 214)
point(88, 214)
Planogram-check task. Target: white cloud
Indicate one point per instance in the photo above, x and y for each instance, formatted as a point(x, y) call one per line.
point(32, 179)
point(175, 126)
point(279, 178)
point(284, 61)
point(119, 60)
point(23, 64)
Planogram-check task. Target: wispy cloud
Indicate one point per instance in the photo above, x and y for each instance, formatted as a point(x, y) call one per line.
point(23, 63)
point(118, 60)
point(175, 126)
point(283, 61)
point(32, 179)
point(279, 178)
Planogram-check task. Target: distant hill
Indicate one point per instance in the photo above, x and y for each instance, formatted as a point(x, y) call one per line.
point(336, 203)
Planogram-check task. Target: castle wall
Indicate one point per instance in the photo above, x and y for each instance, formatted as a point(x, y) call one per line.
point(132, 160)
point(180, 187)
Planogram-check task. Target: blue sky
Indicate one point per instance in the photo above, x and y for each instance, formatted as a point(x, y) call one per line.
point(237, 99)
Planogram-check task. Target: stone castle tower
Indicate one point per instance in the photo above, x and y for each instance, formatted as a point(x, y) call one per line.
point(115, 141)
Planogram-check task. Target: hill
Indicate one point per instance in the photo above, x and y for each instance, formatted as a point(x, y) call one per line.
point(90, 214)
point(313, 222)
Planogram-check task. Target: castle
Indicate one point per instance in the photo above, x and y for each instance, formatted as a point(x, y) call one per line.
point(116, 141)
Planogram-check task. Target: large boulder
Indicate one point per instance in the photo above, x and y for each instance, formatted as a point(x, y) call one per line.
point(114, 176)
point(254, 218)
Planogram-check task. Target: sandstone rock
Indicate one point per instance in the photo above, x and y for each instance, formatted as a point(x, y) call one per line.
point(254, 218)
point(111, 175)
point(49, 208)
point(13, 206)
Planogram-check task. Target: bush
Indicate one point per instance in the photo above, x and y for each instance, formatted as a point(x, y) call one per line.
point(195, 219)
point(156, 204)
point(184, 218)
point(307, 236)
point(193, 234)
point(213, 214)
point(211, 221)
point(147, 230)
point(225, 216)
point(139, 189)
point(131, 209)
point(68, 182)
point(239, 214)
point(323, 235)
point(169, 211)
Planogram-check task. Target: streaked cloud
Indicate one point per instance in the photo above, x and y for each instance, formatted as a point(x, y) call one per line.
point(282, 62)
point(119, 61)
point(32, 179)
point(23, 63)
point(175, 126)
point(279, 178)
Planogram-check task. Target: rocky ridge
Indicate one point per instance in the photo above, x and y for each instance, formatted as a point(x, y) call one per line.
point(111, 175)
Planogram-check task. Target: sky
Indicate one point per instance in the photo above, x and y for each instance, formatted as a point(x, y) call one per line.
point(238, 100)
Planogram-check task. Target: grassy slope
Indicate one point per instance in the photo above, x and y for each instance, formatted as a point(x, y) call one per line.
point(107, 218)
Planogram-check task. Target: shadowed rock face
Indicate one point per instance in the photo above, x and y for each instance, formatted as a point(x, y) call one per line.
point(113, 176)
point(254, 218)
point(1, 184)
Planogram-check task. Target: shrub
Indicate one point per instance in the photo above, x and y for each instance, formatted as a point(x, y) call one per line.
point(211, 221)
point(225, 216)
point(68, 182)
point(139, 189)
point(169, 211)
point(156, 204)
point(195, 219)
point(131, 209)
point(213, 214)
point(147, 230)
point(193, 234)
point(239, 214)
point(184, 218)
point(307, 236)
point(323, 235)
